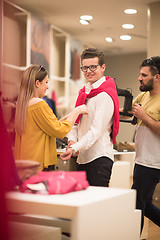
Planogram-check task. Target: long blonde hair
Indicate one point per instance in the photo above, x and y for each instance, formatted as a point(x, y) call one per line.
point(26, 92)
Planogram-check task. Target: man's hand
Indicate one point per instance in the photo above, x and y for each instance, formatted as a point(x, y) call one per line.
point(71, 143)
point(139, 112)
point(66, 155)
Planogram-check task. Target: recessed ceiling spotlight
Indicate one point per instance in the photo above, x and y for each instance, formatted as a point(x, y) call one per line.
point(128, 26)
point(109, 39)
point(130, 11)
point(86, 17)
point(125, 37)
point(84, 22)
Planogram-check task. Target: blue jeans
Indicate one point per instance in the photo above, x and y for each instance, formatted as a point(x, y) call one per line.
point(98, 171)
point(145, 180)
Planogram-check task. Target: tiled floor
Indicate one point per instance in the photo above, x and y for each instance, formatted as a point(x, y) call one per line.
point(153, 231)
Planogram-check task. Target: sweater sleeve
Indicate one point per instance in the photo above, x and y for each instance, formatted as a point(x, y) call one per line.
point(46, 120)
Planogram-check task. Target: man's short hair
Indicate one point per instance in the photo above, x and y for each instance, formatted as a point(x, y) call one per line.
point(92, 53)
point(153, 63)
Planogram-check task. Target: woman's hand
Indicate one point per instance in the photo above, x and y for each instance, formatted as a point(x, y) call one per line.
point(72, 116)
point(82, 109)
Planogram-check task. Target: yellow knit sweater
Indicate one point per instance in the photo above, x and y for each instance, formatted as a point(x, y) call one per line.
point(38, 142)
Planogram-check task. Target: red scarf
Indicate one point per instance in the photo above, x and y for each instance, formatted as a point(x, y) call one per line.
point(110, 88)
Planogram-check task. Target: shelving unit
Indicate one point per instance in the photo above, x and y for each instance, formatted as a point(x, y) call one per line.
point(17, 24)
point(59, 67)
point(15, 48)
point(15, 57)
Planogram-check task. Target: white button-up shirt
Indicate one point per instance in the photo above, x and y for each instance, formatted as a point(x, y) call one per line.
point(92, 134)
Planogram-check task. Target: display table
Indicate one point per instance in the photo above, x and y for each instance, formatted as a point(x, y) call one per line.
point(19, 231)
point(120, 177)
point(96, 213)
point(129, 157)
point(126, 156)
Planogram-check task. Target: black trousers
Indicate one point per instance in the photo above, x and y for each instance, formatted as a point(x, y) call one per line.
point(145, 180)
point(98, 171)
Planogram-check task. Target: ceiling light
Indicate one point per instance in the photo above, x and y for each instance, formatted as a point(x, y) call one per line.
point(128, 26)
point(84, 22)
point(125, 37)
point(86, 17)
point(130, 11)
point(109, 39)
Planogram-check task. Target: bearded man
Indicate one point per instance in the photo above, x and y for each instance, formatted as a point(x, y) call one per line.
point(146, 108)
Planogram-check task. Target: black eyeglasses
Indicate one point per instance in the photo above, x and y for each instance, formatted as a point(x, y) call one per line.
point(91, 68)
point(153, 63)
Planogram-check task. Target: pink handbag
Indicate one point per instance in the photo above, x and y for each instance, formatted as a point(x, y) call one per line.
point(55, 182)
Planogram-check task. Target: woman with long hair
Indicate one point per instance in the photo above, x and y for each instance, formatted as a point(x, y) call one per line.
point(36, 125)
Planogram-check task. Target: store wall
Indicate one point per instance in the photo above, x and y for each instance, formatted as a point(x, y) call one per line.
point(125, 68)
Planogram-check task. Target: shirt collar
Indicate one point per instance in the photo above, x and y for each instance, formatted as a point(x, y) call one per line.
point(96, 84)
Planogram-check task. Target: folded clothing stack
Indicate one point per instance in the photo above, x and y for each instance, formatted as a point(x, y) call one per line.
point(124, 146)
point(55, 182)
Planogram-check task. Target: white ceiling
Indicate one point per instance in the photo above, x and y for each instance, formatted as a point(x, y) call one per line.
point(108, 17)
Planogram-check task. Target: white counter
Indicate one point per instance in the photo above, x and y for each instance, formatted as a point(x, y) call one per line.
point(126, 156)
point(96, 213)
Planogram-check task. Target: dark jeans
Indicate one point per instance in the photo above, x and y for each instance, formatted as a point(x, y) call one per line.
point(98, 171)
point(145, 180)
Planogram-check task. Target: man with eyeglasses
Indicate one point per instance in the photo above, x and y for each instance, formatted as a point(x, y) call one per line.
point(146, 108)
point(93, 136)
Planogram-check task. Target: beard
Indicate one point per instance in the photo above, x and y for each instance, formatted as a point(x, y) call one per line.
point(147, 87)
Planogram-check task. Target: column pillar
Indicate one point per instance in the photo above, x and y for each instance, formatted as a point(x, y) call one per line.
point(153, 47)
